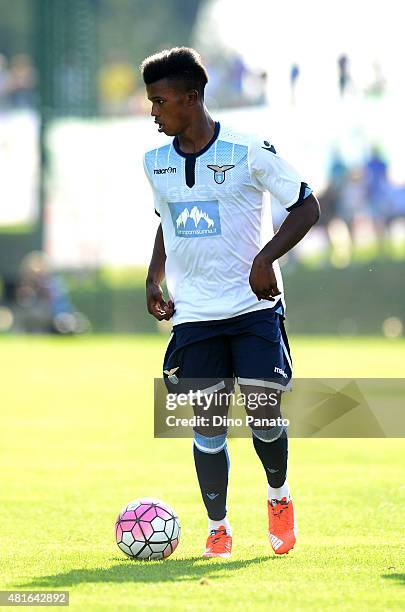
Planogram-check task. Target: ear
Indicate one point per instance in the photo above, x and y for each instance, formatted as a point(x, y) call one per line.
point(192, 97)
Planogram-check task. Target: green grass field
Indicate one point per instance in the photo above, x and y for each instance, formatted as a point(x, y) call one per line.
point(76, 445)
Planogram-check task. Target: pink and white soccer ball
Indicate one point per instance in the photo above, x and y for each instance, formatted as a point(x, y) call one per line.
point(147, 528)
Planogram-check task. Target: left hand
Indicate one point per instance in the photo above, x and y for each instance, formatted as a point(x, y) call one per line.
point(262, 279)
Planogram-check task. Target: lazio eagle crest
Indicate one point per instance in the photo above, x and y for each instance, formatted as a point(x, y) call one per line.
point(219, 172)
point(171, 375)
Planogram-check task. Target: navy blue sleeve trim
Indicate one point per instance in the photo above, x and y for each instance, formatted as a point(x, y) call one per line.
point(156, 213)
point(301, 197)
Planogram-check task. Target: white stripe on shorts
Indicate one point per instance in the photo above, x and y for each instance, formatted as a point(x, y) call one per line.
point(255, 382)
point(287, 356)
point(208, 390)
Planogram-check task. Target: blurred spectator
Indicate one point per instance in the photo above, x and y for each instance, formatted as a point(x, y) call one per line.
point(254, 88)
point(395, 203)
point(344, 77)
point(237, 72)
point(42, 301)
point(294, 74)
point(22, 82)
point(4, 82)
point(232, 84)
point(262, 96)
point(337, 170)
point(352, 203)
point(215, 79)
point(376, 183)
point(330, 199)
point(377, 86)
point(360, 206)
point(117, 83)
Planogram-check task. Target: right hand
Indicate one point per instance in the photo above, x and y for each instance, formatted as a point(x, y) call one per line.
point(262, 279)
point(157, 306)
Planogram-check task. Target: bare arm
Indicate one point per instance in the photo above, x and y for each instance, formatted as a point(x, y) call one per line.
point(154, 295)
point(292, 230)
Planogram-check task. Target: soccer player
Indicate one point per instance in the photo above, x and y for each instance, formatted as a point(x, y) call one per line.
point(225, 288)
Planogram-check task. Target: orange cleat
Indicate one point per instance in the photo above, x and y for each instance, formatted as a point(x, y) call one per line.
point(282, 530)
point(219, 544)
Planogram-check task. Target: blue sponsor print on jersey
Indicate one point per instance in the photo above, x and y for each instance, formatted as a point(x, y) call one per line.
point(196, 219)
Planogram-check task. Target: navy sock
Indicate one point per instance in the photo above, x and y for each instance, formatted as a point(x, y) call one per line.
point(212, 472)
point(273, 456)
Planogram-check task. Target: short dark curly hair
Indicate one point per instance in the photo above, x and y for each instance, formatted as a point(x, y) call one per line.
point(177, 64)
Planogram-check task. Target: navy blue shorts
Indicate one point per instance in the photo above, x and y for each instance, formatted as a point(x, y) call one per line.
point(253, 348)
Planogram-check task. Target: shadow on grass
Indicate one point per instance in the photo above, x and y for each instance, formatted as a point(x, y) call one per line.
point(193, 568)
point(398, 577)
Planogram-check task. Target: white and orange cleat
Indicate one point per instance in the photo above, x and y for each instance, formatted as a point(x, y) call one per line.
point(282, 529)
point(219, 544)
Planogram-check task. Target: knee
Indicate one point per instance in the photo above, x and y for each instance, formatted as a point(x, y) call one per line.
point(213, 444)
point(269, 435)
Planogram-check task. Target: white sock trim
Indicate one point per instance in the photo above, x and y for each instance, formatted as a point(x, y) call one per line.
point(279, 493)
point(217, 524)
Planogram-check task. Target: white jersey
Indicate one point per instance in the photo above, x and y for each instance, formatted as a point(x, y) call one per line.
point(211, 206)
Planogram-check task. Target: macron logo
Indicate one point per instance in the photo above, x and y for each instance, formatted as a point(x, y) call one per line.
point(269, 147)
point(169, 170)
point(280, 371)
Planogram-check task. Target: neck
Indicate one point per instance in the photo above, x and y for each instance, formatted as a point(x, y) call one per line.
point(198, 134)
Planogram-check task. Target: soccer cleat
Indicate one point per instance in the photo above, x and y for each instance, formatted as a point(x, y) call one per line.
point(282, 530)
point(219, 544)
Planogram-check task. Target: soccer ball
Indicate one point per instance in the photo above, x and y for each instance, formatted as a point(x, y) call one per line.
point(147, 528)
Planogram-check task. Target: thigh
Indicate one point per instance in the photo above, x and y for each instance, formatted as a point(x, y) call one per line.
point(263, 367)
point(197, 364)
point(203, 368)
point(261, 354)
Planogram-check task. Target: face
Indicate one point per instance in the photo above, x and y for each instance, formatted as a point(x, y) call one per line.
point(171, 106)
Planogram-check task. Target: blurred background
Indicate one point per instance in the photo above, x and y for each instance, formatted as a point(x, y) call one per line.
point(322, 81)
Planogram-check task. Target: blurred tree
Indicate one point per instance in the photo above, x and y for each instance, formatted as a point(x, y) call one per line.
point(69, 40)
point(136, 28)
point(16, 31)
point(79, 36)
point(67, 56)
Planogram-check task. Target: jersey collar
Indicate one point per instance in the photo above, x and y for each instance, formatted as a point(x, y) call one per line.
point(202, 151)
